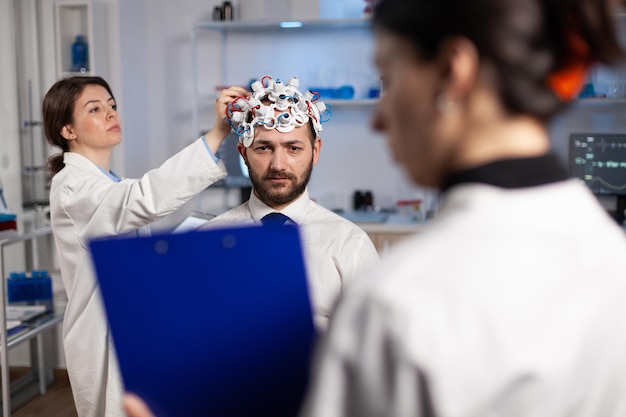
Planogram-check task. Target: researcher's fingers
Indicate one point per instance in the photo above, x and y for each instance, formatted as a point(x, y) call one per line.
point(225, 98)
point(135, 406)
point(228, 95)
point(233, 92)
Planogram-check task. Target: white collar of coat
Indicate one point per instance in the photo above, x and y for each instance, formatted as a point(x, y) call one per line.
point(80, 161)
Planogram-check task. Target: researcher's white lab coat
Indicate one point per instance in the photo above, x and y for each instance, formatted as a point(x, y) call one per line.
point(510, 303)
point(85, 203)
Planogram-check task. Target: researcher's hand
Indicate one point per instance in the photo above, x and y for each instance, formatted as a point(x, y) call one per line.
point(135, 406)
point(221, 129)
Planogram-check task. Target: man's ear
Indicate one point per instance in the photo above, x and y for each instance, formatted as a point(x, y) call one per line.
point(242, 151)
point(68, 133)
point(317, 147)
point(458, 62)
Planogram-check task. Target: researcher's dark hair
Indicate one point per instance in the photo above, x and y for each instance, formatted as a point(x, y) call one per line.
point(527, 42)
point(58, 108)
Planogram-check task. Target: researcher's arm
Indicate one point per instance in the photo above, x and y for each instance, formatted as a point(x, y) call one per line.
point(94, 206)
point(135, 406)
point(221, 129)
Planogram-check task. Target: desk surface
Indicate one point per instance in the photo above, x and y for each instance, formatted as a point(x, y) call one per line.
point(384, 222)
point(406, 228)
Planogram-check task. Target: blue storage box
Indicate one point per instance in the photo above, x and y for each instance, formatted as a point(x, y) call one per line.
point(33, 289)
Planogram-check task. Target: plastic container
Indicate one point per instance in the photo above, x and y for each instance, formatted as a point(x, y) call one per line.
point(410, 209)
point(33, 289)
point(80, 55)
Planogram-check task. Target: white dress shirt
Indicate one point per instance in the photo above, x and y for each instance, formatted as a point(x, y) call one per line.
point(510, 303)
point(85, 202)
point(335, 249)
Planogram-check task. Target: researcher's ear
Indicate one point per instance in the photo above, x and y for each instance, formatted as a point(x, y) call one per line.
point(458, 62)
point(68, 133)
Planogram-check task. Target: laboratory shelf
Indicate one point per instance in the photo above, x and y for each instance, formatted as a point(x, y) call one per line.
point(352, 102)
point(36, 326)
point(269, 25)
point(17, 392)
point(208, 101)
point(600, 102)
point(216, 45)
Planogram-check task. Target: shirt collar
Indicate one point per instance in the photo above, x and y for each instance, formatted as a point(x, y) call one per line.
point(512, 173)
point(296, 210)
point(111, 175)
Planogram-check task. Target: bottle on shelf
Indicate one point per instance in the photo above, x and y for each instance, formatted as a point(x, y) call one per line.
point(227, 10)
point(80, 55)
point(218, 13)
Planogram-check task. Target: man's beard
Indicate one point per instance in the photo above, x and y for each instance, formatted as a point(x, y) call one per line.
point(279, 195)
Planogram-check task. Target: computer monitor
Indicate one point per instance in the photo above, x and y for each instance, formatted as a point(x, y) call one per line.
point(237, 171)
point(599, 159)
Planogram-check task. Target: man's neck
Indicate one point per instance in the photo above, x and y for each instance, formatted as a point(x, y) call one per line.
point(277, 207)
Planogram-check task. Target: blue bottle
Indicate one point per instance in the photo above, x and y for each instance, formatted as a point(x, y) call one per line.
point(80, 55)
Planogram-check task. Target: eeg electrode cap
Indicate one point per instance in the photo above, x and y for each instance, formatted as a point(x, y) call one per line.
point(274, 106)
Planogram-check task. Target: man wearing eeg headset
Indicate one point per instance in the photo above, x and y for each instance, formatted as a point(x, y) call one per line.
point(278, 130)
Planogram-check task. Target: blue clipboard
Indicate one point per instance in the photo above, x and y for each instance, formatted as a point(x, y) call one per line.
point(210, 323)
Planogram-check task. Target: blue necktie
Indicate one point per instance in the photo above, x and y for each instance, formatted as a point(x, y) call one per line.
point(275, 219)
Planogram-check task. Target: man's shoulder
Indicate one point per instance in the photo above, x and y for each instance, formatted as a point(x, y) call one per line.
point(239, 214)
point(321, 215)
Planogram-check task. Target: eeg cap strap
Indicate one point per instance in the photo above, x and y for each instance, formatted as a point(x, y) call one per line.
point(287, 108)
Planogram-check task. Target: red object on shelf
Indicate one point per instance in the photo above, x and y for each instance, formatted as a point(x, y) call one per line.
point(8, 225)
point(402, 203)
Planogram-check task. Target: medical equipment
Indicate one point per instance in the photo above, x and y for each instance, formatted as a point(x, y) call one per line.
point(275, 106)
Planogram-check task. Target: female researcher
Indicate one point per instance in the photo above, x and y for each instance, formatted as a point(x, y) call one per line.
point(87, 199)
point(511, 301)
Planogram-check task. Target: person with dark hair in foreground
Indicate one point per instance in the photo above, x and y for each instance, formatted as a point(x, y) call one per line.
point(507, 304)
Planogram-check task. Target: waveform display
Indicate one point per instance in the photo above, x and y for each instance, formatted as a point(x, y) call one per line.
point(600, 161)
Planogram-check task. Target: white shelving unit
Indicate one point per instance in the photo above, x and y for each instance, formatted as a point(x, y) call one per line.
point(20, 391)
point(47, 29)
point(286, 48)
point(76, 17)
point(282, 25)
point(589, 102)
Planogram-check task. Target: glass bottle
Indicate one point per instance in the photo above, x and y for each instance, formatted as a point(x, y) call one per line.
point(80, 55)
point(227, 10)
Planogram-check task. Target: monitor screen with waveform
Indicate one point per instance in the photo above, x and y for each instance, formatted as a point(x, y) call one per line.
point(599, 159)
point(238, 175)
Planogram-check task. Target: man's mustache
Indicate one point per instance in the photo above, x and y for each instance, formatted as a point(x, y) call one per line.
point(278, 174)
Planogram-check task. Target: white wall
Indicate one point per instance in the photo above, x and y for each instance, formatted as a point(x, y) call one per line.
point(157, 86)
